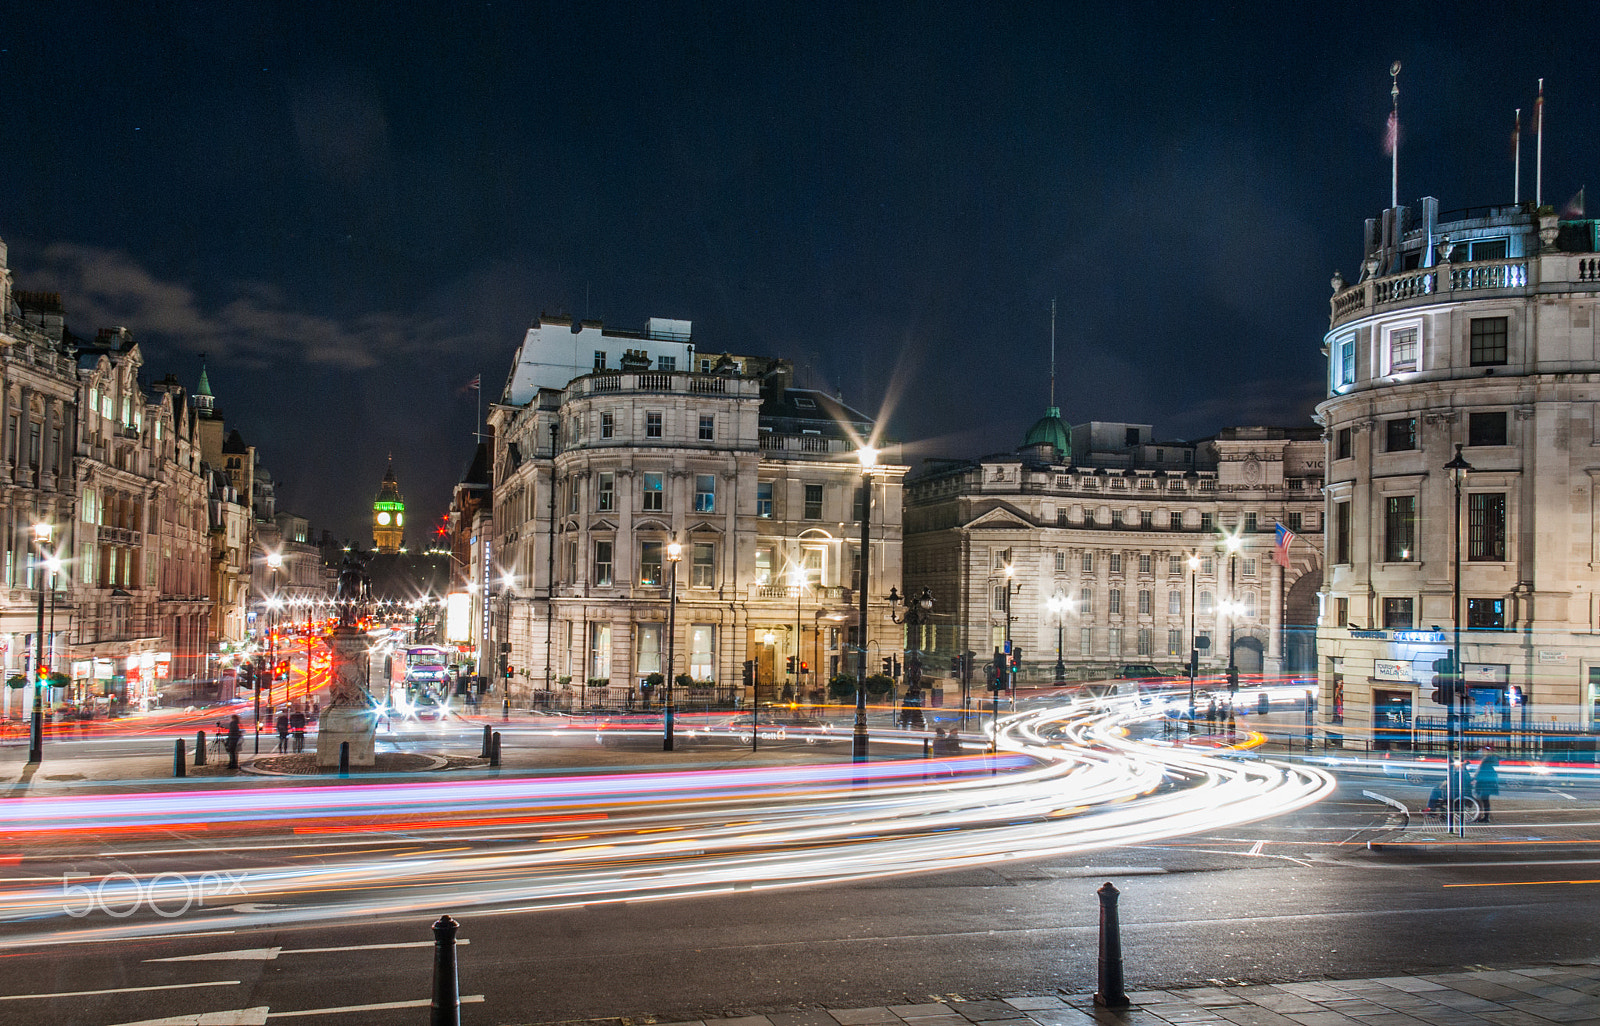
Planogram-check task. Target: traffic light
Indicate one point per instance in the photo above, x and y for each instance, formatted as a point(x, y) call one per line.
point(803, 667)
point(888, 667)
point(508, 672)
point(749, 673)
point(999, 663)
point(1016, 657)
point(245, 676)
point(789, 664)
point(1233, 680)
point(896, 674)
point(955, 666)
point(1446, 681)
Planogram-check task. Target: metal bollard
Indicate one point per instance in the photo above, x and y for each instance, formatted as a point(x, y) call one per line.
point(344, 758)
point(199, 748)
point(486, 741)
point(505, 711)
point(446, 991)
point(180, 758)
point(494, 751)
point(1111, 993)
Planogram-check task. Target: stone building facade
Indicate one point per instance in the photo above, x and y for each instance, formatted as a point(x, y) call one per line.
point(1475, 330)
point(599, 469)
point(1091, 532)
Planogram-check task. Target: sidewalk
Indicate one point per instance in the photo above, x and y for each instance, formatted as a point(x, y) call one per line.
point(1567, 995)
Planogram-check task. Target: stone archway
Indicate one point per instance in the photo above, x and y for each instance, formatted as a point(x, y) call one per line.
point(1300, 626)
point(1247, 654)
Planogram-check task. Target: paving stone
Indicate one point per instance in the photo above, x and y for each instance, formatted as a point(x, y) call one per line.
point(1314, 991)
point(1484, 988)
point(1153, 997)
point(1324, 1018)
point(1278, 1000)
point(1210, 997)
point(1029, 1004)
point(1062, 1016)
point(862, 1016)
point(983, 1011)
point(1356, 1007)
point(1392, 1019)
point(741, 1020)
point(1410, 984)
point(935, 1008)
point(1251, 1015)
point(1453, 998)
point(1555, 1011)
point(809, 1017)
point(1514, 1017)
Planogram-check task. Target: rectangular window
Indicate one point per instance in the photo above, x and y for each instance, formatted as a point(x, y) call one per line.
point(764, 565)
point(1087, 562)
point(33, 445)
point(1341, 612)
point(1174, 643)
point(650, 562)
point(1174, 602)
point(1292, 521)
point(764, 499)
point(608, 425)
point(1206, 566)
point(1114, 602)
point(1085, 641)
point(1486, 614)
point(702, 644)
point(1400, 529)
point(1114, 642)
point(600, 651)
point(1204, 605)
point(1116, 518)
point(649, 649)
point(1174, 566)
point(1249, 523)
point(1208, 522)
point(652, 425)
point(599, 359)
point(1401, 434)
point(654, 497)
point(1147, 519)
point(1341, 532)
point(1061, 561)
point(1488, 342)
point(705, 493)
point(1343, 443)
point(1402, 350)
point(1247, 566)
point(1116, 562)
point(1486, 428)
point(572, 495)
point(708, 427)
point(1486, 527)
point(1144, 564)
point(667, 363)
point(1250, 603)
point(704, 568)
point(602, 563)
point(1144, 641)
point(1175, 521)
point(1347, 361)
point(1144, 602)
point(1397, 614)
point(606, 492)
point(1085, 602)
point(813, 502)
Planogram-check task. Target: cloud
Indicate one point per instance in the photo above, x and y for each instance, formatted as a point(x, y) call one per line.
point(259, 325)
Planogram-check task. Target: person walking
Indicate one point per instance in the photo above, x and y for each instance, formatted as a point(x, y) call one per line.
point(235, 740)
point(282, 725)
point(1486, 782)
point(297, 727)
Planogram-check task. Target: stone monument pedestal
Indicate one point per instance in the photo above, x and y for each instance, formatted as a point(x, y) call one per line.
point(350, 716)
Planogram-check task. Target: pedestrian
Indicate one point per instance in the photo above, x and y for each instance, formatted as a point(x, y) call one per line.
point(282, 724)
point(1486, 782)
point(1211, 715)
point(235, 740)
point(297, 727)
point(941, 747)
point(952, 742)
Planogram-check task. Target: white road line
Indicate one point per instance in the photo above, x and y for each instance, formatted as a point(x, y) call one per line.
point(116, 990)
point(259, 1016)
point(269, 954)
point(470, 999)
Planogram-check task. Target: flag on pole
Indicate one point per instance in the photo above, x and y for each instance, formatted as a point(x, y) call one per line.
point(1391, 133)
point(1574, 207)
point(475, 385)
point(476, 382)
point(1281, 555)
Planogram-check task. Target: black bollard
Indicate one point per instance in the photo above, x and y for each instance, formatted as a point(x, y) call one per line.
point(199, 748)
point(494, 751)
point(1111, 993)
point(505, 711)
point(180, 758)
point(446, 991)
point(486, 740)
point(344, 758)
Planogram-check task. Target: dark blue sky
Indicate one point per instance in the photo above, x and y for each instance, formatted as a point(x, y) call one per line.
point(354, 208)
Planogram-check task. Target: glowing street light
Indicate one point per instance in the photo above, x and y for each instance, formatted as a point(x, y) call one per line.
point(41, 538)
point(869, 459)
point(674, 553)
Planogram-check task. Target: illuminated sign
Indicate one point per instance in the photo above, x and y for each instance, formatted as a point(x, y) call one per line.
point(1391, 669)
point(1420, 637)
point(458, 617)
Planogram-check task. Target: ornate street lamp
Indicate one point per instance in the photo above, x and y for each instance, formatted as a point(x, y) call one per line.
point(869, 459)
point(1059, 605)
point(1459, 468)
point(674, 553)
point(1194, 643)
point(917, 614)
point(41, 538)
point(275, 562)
point(1231, 543)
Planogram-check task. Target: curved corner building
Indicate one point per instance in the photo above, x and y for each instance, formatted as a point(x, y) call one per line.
point(1473, 329)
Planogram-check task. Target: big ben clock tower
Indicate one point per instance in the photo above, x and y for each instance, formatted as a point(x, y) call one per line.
point(388, 515)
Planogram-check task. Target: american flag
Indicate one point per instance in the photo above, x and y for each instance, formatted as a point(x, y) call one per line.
point(1281, 554)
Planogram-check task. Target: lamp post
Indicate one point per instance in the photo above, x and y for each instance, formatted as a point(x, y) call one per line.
point(1459, 468)
point(674, 553)
point(1059, 604)
point(1232, 545)
point(1194, 642)
point(41, 538)
point(1011, 666)
point(918, 612)
point(274, 561)
point(798, 577)
point(869, 459)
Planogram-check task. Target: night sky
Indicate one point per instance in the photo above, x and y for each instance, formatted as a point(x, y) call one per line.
point(353, 209)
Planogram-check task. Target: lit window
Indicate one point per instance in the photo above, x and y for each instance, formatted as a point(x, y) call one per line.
point(764, 499)
point(653, 496)
point(705, 493)
point(1402, 350)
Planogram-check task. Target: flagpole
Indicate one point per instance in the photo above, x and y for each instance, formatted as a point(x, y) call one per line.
point(1516, 159)
point(1538, 148)
point(1394, 134)
point(1052, 352)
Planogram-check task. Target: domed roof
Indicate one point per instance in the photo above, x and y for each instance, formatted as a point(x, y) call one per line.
point(1049, 430)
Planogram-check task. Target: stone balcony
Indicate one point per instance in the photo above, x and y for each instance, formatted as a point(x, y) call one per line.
point(1516, 277)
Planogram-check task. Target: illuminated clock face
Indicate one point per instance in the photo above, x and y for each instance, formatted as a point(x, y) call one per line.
point(383, 518)
point(399, 518)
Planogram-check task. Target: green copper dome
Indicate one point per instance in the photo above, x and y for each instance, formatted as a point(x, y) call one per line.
point(1049, 430)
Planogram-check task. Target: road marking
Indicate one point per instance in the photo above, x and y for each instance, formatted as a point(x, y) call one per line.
point(1522, 883)
point(269, 954)
point(470, 999)
point(116, 990)
point(1255, 849)
point(258, 1016)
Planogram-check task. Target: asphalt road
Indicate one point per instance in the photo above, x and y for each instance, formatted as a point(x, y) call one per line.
point(1288, 899)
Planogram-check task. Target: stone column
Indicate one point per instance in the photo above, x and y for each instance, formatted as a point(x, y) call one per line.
point(1274, 660)
point(350, 715)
